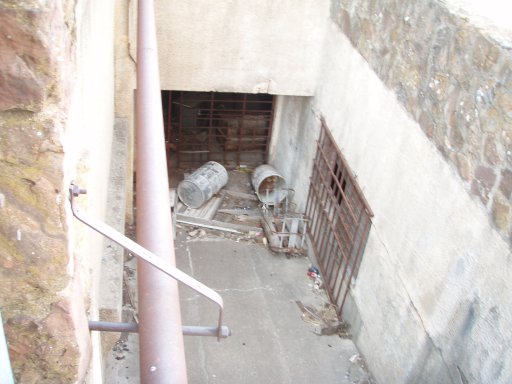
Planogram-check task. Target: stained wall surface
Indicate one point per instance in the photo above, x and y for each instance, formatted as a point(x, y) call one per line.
point(240, 46)
point(415, 96)
point(418, 99)
point(56, 119)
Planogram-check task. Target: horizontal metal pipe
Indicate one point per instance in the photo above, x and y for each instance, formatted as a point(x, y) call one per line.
point(110, 326)
point(188, 330)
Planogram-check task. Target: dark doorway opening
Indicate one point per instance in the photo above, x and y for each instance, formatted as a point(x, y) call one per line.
point(231, 128)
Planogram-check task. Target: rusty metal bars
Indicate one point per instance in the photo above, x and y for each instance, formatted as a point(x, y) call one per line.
point(162, 355)
point(230, 128)
point(339, 216)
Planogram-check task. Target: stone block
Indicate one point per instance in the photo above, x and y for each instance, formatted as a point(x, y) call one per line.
point(504, 101)
point(490, 150)
point(506, 183)
point(24, 59)
point(501, 213)
point(464, 166)
point(485, 176)
point(485, 53)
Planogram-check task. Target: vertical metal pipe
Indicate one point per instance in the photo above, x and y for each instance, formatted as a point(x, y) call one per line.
point(162, 357)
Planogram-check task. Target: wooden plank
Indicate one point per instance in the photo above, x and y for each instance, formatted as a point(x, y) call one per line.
point(206, 211)
point(240, 211)
point(215, 224)
point(241, 195)
point(294, 229)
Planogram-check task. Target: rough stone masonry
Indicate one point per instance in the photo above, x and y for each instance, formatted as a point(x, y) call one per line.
point(36, 56)
point(454, 78)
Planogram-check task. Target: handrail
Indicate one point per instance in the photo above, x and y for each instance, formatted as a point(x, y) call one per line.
point(161, 345)
point(149, 257)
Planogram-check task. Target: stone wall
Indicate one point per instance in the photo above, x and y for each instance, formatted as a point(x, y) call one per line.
point(55, 126)
point(36, 52)
point(455, 79)
point(431, 302)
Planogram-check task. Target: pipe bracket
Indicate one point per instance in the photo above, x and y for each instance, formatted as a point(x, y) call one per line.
point(149, 257)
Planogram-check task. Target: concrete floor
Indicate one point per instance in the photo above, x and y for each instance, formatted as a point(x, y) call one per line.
point(270, 341)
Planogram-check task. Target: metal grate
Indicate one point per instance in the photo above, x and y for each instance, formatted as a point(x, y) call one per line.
point(339, 218)
point(231, 128)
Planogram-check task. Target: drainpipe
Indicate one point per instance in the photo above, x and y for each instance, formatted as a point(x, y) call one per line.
point(162, 356)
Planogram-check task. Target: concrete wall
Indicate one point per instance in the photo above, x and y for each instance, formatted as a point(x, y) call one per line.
point(431, 303)
point(56, 119)
point(418, 100)
point(240, 46)
point(293, 144)
point(89, 148)
point(229, 46)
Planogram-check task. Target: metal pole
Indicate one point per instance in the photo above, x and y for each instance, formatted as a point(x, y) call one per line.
point(188, 330)
point(162, 356)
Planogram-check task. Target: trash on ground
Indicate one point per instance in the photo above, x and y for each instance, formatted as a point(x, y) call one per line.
point(325, 319)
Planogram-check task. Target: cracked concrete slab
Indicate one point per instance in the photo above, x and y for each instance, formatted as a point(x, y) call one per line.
point(270, 341)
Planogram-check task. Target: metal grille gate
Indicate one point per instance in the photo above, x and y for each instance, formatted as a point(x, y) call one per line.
point(231, 128)
point(339, 218)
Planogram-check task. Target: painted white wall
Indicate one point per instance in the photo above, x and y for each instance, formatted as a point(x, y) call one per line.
point(261, 46)
point(88, 148)
point(433, 293)
point(293, 144)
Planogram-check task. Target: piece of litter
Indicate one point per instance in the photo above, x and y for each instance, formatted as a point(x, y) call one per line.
point(354, 359)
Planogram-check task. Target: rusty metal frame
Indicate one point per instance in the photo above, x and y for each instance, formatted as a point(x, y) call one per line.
point(339, 216)
point(195, 132)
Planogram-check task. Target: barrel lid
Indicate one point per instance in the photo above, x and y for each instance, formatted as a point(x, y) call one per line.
point(190, 194)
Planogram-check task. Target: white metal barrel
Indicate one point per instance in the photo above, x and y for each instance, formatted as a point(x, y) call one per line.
point(202, 184)
point(269, 185)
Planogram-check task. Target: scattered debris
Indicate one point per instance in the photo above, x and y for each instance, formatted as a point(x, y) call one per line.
point(355, 358)
point(313, 272)
point(361, 372)
point(217, 225)
point(286, 233)
point(325, 319)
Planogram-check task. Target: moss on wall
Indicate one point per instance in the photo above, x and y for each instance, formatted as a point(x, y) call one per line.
point(36, 45)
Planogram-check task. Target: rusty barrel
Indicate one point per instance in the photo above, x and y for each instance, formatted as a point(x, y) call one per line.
point(269, 185)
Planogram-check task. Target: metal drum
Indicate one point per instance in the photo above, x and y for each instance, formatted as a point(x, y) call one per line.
point(269, 185)
point(200, 186)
